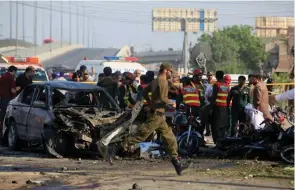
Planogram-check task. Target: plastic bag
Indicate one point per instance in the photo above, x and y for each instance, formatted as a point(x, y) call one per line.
point(255, 115)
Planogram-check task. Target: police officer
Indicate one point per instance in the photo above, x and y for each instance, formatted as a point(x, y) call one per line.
point(156, 120)
point(240, 97)
point(219, 107)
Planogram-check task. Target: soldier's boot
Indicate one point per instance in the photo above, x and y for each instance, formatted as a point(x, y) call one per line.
point(178, 166)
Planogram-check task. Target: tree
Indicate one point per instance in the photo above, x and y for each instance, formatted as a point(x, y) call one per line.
point(235, 49)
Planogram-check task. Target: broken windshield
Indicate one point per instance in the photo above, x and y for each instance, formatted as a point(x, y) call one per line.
point(73, 98)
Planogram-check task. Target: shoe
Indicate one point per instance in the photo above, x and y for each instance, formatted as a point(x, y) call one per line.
point(178, 166)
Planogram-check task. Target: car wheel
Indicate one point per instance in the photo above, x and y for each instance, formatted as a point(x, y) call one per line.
point(14, 142)
point(56, 143)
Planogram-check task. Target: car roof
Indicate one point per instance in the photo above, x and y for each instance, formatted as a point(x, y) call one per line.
point(70, 85)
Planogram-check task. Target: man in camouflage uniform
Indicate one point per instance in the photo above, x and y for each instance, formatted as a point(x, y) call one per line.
point(156, 120)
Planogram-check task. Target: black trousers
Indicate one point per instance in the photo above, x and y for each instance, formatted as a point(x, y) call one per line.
point(204, 114)
point(219, 122)
point(238, 115)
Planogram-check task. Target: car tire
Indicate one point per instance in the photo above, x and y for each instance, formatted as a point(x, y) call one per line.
point(58, 142)
point(13, 140)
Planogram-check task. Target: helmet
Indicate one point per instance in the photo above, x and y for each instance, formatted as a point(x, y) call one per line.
point(197, 72)
point(227, 78)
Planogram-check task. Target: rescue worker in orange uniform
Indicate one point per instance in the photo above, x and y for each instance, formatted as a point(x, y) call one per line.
point(219, 107)
point(190, 96)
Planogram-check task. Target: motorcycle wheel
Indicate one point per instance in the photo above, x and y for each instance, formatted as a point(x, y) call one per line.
point(190, 148)
point(287, 154)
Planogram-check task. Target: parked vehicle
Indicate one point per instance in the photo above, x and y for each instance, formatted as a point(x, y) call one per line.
point(61, 115)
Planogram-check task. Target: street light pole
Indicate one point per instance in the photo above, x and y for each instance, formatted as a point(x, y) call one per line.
point(10, 6)
point(83, 35)
point(61, 23)
point(23, 11)
point(70, 24)
point(77, 24)
point(16, 29)
point(50, 25)
point(35, 28)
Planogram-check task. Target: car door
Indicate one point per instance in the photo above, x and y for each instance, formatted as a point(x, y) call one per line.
point(22, 109)
point(38, 113)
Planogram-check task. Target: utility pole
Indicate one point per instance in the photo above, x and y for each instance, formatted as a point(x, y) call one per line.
point(10, 32)
point(16, 29)
point(185, 47)
point(35, 28)
point(70, 24)
point(61, 23)
point(50, 25)
point(88, 32)
point(43, 25)
point(77, 24)
point(83, 35)
point(23, 11)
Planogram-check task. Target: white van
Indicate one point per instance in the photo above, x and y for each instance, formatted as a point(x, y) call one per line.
point(95, 67)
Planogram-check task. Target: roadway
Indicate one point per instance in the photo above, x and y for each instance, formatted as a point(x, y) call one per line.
point(72, 58)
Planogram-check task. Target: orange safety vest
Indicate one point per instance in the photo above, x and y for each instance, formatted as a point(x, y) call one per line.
point(222, 93)
point(191, 96)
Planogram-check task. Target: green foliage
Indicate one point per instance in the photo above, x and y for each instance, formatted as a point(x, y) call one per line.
point(235, 49)
point(281, 78)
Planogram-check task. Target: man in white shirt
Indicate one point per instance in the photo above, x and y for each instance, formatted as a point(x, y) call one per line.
point(288, 95)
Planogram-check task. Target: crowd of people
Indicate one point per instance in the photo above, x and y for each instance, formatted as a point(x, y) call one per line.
point(219, 105)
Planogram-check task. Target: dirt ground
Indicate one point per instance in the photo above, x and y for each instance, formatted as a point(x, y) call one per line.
point(27, 170)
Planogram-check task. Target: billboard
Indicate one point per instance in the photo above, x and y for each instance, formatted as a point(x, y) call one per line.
point(182, 19)
point(267, 27)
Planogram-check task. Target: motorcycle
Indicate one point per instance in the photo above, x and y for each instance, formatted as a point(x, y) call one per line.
point(272, 139)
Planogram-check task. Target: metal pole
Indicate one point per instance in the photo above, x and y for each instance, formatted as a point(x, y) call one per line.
point(77, 24)
point(10, 5)
point(35, 29)
point(83, 34)
point(23, 11)
point(88, 35)
point(185, 48)
point(16, 29)
point(61, 23)
point(70, 24)
point(50, 25)
point(43, 25)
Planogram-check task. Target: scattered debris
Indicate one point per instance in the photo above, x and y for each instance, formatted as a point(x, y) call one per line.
point(64, 169)
point(250, 175)
point(42, 173)
point(289, 168)
point(14, 182)
point(34, 182)
point(246, 177)
point(135, 187)
point(208, 169)
point(79, 159)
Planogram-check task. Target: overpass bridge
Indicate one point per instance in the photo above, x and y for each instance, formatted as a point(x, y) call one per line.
point(172, 57)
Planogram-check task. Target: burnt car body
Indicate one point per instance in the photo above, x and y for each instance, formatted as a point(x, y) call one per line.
point(62, 116)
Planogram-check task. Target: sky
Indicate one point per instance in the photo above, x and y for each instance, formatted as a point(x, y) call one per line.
point(114, 24)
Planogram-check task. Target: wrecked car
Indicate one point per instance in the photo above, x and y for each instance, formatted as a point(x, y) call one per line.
point(63, 116)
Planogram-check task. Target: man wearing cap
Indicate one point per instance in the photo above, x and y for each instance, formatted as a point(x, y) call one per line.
point(219, 108)
point(156, 121)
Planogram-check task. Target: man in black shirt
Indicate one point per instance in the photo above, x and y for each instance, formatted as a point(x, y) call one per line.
point(25, 79)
